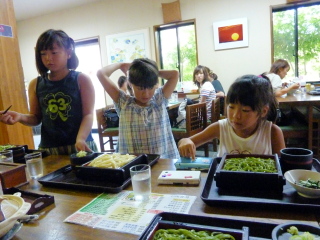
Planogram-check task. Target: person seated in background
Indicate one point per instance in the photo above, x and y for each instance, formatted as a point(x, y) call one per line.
point(278, 71)
point(124, 86)
point(206, 89)
point(218, 87)
point(248, 128)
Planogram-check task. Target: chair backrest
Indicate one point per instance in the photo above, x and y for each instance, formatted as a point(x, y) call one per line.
point(215, 110)
point(101, 122)
point(196, 118)
point(102, 125)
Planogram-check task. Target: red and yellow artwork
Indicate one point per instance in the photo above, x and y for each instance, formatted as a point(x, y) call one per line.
point(232, 33)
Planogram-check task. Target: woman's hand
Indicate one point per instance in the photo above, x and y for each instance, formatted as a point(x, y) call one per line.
point(187, 148)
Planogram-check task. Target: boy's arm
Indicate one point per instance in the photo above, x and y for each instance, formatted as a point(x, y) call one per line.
point(172, 77)
point(104, 77)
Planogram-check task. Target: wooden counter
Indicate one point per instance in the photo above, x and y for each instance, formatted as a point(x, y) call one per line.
point(67, 201)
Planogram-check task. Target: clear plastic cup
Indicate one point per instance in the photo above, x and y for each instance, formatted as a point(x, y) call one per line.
point(141, 181)
point(6, 156)
point(34, 164)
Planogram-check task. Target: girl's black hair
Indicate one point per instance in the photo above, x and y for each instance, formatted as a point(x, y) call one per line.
point(46, 41)
point(205, 73)
point(143, 73)
point(255, 92)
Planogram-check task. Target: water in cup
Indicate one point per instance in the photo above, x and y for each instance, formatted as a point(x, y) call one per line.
point(141, 181)
point(34, 165)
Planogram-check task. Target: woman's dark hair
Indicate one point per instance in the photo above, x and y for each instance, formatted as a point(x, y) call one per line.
point(47, 40)
point(121, 81)
point(143, 73)
point(253, 91)
point(198, 69)
point(279, 64)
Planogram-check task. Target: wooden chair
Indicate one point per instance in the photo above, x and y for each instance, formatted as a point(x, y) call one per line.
point(196, 121)
point(104, 131)
point(215, 116)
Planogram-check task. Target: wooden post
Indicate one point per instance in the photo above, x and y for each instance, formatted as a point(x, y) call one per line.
point(12, 86)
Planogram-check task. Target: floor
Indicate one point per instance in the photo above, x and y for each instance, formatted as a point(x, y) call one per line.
point(199, 153)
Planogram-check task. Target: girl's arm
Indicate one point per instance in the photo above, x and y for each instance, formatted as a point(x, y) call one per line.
point(280, 92)
point(172, 77)
point(104, 77)
point(33, 118)
point(187, 146)
point(87, 99)
point(277, 140)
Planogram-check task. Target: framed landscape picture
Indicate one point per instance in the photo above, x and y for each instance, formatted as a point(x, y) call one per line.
point(230, 34)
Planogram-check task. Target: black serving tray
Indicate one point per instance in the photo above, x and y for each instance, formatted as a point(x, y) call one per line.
point(37, 201)
point(289, 199)
point(257, 230)
point(66, 177)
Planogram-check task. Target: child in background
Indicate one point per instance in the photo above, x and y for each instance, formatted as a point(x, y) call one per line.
point(278, 71)
point(207, 91)
point(60, 98)
point(123, 85)
point(246, 129)
point(144, 122)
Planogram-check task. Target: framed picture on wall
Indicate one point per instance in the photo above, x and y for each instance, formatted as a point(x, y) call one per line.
point(230, 34)
point(127, 46)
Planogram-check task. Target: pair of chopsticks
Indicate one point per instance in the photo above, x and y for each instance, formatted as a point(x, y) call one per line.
point(6, 110)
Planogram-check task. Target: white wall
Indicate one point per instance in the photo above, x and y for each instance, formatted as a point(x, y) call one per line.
point(115, 16)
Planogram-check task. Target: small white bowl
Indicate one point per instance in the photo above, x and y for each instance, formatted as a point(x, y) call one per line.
point(294, 176)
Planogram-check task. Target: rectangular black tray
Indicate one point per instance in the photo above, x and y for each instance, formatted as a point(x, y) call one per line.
point(257, 230)
point(65, 177)
point(37, 201)
point(288, 199)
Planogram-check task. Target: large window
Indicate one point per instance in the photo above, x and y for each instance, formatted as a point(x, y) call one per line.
point(296, 31)
point(176, 48)
point(88, 52)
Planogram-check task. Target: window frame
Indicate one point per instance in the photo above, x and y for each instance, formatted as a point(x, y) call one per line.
point(156, 31)
point(285, 7)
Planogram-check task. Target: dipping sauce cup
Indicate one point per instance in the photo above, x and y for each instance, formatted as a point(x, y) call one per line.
point(296, 158)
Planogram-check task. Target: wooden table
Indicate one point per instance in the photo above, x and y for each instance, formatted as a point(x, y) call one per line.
point(302, 100)
point(51, 226)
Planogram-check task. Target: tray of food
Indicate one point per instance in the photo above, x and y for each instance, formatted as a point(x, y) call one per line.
point(113, 167)
point(165, 225)
point(18, 152)
point(287, 199)
point(67, 177)
point(170, 223)
point(249, 172)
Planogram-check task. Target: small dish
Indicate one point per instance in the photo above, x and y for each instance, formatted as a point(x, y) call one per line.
point(294, 176)
point(280, 232)
point(75, 160)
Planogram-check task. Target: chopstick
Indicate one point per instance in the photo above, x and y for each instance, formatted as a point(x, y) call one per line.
point(6, 110)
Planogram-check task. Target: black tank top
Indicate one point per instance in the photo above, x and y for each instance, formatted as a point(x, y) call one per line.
point(61, 109)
